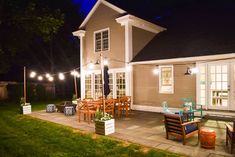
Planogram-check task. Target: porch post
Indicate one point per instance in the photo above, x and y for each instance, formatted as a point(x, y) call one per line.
point(80, 34)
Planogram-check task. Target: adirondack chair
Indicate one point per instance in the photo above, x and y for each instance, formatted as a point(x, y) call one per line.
point(188, 103)
point(176, 127)
point(230, 135)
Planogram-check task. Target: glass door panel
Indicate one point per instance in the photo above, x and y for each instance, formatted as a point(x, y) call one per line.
point(218, 87)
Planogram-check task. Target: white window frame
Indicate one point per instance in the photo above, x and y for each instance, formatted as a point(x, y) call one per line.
point(166, 89)
point(94, 40)
point(113, 71)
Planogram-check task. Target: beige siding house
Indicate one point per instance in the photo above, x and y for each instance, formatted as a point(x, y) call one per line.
point(123, 39)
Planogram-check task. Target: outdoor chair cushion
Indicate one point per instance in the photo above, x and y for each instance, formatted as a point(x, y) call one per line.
point(190, 128)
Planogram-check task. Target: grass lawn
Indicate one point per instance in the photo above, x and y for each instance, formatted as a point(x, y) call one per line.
point(23, 136)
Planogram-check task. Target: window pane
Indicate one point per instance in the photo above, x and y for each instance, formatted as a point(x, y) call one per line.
point(224, 69)
point(218, 77)
point(224, 77)
point(218, 69)
point(120, 79)
point(212, 69)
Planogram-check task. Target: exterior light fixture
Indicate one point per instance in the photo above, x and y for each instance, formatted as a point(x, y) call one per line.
point(194, 70)
point(61, 76)
point(40, 78)
point(155, 71)
point(32, 74)
point(106, 62)
point(128, 68)
point(188, 71)
point(91, 66)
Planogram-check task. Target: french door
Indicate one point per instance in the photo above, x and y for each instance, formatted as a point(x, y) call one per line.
point(219, 86)
point(215, 85)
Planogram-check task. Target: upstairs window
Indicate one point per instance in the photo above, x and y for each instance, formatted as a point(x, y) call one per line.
point(101, 42)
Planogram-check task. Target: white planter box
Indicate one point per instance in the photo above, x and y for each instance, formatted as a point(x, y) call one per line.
point(105, 128)
point(26, 109)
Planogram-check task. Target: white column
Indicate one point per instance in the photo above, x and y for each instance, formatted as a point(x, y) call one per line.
point(128, 58)
point(80, 34)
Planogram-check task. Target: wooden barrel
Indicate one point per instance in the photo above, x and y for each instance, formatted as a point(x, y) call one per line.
point(207, 138)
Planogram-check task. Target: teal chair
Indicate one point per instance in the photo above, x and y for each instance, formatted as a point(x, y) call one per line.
point(189, 103)
point(165, 107)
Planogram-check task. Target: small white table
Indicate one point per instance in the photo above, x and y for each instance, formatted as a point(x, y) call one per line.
point(50, 108)
point(69, 111)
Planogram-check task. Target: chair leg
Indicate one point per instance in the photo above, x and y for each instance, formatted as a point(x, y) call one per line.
point(78, 117)
point(226, 139)
point(126, 111)
point(89, 116)
point(184, 142)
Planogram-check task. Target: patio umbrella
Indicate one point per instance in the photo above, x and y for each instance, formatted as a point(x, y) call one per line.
point(106, 81)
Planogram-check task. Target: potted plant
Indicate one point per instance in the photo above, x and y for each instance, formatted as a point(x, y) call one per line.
point(104, 123)
point(74, 99)
point(25, 107)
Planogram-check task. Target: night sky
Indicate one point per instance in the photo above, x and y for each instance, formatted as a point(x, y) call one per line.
point(66, 54)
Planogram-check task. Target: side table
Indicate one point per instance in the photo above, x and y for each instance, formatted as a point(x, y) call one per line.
point(50, 108)
point(207, 138)
point(69, 111)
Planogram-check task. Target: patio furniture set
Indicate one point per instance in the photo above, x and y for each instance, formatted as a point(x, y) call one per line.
point(180, 123)
point(89, 106)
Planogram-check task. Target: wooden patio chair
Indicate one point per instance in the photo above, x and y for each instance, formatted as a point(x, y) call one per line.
point(175, 127)
point(230, 136)
point(124, 104)
point(88, 110)
point(109, 106)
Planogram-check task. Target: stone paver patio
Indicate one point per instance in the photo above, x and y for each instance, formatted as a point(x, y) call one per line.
point(146, 128)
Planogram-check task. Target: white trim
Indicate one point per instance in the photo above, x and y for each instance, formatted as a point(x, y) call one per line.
point(150, 108)
point(187, 59)
point(140, 23)
point(161, 91)
point(119, 10)
point(101, 31)
point(81, 34)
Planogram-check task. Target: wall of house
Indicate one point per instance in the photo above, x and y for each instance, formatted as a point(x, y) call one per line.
point(140, 39)
point(104, 17)
point(146, 86)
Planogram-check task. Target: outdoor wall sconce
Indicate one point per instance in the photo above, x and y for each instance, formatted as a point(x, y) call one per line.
point(191, 71)
point(156, 71)
point(188, 71)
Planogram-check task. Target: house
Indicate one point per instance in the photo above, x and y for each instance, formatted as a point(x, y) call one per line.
point(191, 54)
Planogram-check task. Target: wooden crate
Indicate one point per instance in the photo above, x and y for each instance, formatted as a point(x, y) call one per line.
point(105, 128)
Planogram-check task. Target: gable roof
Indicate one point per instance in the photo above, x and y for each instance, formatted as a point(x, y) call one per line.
point(119, 10)
point(191, 32)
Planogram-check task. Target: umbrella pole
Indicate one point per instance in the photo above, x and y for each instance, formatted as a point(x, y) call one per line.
point(102, 80)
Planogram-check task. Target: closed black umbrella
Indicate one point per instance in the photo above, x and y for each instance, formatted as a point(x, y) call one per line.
point(106, 81)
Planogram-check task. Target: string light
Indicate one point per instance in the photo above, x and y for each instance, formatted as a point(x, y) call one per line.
point(40, 78)
point(91, 66)
point(51, 79)
point(48, 75)
point(61, 76)
point(32, 74)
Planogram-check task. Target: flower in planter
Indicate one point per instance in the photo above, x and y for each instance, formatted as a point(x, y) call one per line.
point(74, 98)
point(100, 116)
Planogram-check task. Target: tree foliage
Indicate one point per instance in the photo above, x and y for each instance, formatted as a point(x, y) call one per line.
point(24, 21)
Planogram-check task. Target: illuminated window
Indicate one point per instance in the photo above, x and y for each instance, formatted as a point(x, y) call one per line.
point(101, 41)
point(120, 84)
point(88, 86)
point(98, 86)
point(166, 79)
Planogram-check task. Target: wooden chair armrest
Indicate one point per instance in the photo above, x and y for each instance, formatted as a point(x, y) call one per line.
point(229, 127)
point(192, 122)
